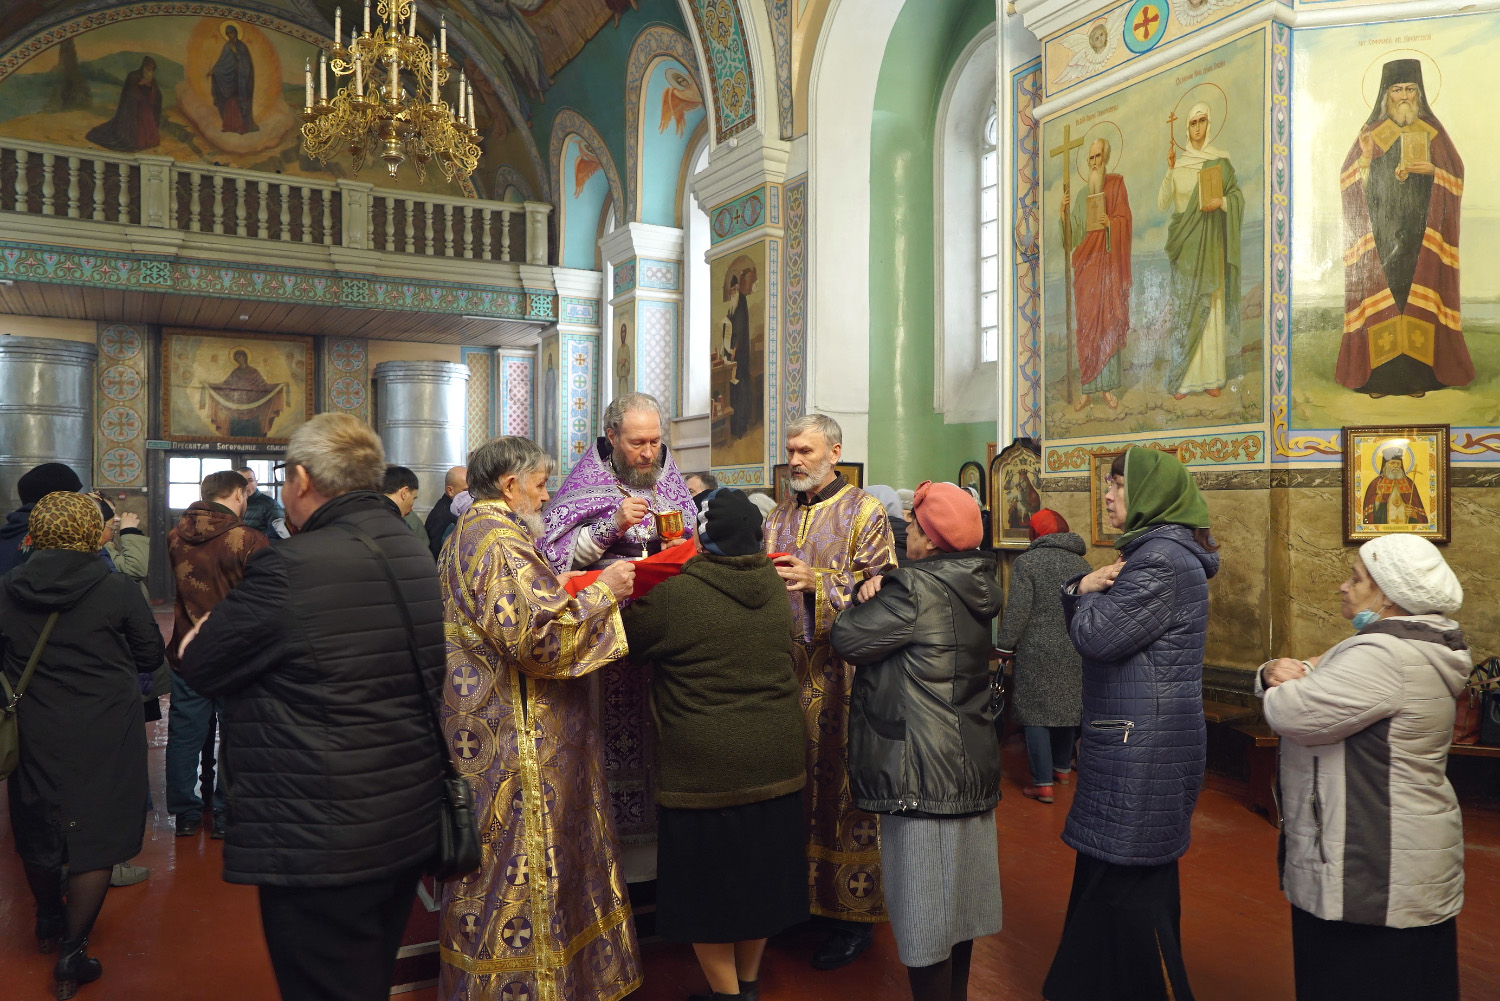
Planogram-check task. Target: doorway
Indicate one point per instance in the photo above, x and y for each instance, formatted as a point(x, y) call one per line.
point(183, 471)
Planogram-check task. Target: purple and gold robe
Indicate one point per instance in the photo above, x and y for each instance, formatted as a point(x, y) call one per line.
point(846, 539)
point(546, 917)
point(586, 503)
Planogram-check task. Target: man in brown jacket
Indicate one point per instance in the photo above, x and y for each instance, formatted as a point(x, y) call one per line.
point(208, 549)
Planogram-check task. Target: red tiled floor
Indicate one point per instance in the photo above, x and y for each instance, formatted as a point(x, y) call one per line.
point(185, 935)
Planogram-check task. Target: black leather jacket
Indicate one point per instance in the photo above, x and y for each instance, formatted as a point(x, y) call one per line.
point(921, 736)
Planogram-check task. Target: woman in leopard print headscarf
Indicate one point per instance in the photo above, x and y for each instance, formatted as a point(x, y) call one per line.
point(66, 521)
point(77, 797)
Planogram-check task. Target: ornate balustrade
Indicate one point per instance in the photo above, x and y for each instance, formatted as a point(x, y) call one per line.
point(156, 192)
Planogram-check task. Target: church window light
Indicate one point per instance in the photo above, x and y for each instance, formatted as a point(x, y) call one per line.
point(989, 240)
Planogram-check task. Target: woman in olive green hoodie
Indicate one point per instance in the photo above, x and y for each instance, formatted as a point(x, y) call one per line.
point(724, 696)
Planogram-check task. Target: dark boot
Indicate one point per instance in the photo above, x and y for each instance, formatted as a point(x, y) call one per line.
point(49, 931)
point(749, 990)
point(846, 943)
point(74, 968)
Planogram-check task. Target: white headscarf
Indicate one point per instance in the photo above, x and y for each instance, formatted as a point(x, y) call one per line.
point(1196, 158)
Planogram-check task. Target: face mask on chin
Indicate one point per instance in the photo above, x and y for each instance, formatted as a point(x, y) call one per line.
point(1363, 618)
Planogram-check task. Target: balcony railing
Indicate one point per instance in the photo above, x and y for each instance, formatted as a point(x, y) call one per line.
point(162, 193)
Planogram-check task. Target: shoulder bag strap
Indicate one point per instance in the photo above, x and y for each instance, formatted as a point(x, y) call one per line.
point(411, 644)
point(12, 697)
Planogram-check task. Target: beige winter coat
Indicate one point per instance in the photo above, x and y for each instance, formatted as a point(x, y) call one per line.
point(1372, 832)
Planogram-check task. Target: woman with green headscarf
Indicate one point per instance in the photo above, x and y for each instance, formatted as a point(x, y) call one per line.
point(1139, 625)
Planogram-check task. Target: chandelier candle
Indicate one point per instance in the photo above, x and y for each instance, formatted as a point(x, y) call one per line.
point(397, 121)
point(338, 27)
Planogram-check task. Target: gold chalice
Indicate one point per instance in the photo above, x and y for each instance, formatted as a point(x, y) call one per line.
point(668, 525)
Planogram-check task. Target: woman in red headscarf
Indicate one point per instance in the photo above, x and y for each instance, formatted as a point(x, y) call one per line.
point(1048, 671)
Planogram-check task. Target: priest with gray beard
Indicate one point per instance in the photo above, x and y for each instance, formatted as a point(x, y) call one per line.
point(603, 514)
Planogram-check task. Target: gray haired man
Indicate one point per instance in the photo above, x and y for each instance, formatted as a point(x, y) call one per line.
point(603, 514)
point(337, 780)
point(835, 537)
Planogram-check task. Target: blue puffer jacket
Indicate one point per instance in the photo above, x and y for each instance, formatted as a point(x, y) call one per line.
point(1141, 760)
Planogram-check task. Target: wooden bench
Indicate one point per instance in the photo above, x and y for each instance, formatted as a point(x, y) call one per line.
point(1225, 712)
point(1262, 755)
point(1474, 750)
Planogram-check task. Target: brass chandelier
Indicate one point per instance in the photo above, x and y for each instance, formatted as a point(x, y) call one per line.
point(374, 114)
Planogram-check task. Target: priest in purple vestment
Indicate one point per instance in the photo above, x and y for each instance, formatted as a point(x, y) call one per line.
point(602, 514)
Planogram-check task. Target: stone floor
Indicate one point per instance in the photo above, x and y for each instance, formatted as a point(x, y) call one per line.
point(185, 935)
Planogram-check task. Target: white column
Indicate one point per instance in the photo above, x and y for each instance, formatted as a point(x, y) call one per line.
point(651, 304)
point(579, 310)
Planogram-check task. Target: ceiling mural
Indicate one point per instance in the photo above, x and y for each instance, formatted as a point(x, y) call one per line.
point(664, 111)
point(586, 181)
point(69, 66)
point(730, 74)
point(511, 50)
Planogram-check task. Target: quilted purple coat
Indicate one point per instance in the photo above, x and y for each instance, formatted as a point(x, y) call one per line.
point(1141, 759)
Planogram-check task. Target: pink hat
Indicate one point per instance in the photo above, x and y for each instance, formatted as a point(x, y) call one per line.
point(949, 516)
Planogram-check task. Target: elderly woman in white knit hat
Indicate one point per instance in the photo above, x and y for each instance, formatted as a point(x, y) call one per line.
point(1372, 840)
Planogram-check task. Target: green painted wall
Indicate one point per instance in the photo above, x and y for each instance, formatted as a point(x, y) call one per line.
point(909, 442)
point(593, 82)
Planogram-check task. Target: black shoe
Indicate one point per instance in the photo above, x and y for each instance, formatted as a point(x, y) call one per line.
point(187, 826)
point(841, 948)
point(74, 967)
point(220, 827)
point(749, 990)
point(49, 932)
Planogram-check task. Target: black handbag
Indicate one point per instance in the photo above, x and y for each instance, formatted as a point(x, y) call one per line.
point(996, 704)
point(458, 824)
point(1489, 723)
point(10, 726)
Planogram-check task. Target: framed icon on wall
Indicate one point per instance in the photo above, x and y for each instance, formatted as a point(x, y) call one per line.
point(1015, 483)
point(1396, 480)
point(971, 475)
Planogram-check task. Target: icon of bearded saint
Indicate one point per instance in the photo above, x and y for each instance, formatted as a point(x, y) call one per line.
point(1401, 185)
point(1393, 499)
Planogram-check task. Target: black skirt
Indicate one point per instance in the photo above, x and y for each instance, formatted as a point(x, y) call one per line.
point(731, 875)
point(1337, 960)
point(1121, 939)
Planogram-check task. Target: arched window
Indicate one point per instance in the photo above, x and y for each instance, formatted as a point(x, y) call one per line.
point(966, 239)
point(697, 301)
point(989, 240)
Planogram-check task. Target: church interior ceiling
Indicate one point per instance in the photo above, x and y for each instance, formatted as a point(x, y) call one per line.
point(512, 50)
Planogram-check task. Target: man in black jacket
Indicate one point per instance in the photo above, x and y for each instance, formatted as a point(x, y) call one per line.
point(334, 809)
point(441, 517)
